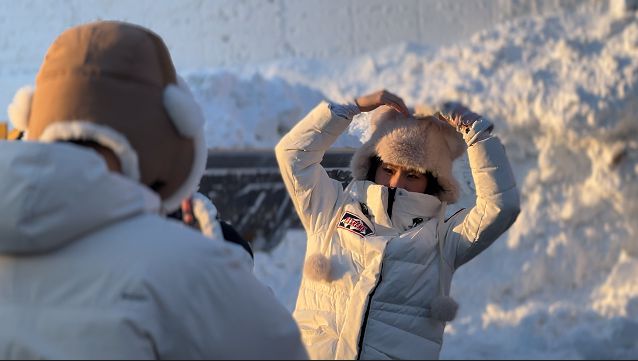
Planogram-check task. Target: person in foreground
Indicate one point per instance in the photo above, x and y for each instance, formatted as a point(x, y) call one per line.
point(381, 253)
point(90, 267)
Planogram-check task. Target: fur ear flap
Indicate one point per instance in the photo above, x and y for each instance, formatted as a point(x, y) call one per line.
point(381, 116)
point(423, 110)
point(183, 110)
point(454, 141)
point(188, 118)
point(20, 108)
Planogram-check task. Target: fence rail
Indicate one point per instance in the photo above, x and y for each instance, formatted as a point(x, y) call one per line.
point(247, 188)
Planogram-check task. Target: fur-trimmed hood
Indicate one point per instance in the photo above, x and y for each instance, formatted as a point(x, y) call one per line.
point(423, 143)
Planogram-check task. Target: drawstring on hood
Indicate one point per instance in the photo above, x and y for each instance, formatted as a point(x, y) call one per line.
point(443, 307)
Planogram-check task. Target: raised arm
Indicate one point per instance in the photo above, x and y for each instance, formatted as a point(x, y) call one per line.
point(497, 203)
point(300, 152)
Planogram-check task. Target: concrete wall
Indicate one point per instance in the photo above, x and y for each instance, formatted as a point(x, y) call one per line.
point(223, 33)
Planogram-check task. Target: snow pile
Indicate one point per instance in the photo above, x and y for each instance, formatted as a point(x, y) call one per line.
point(250, 111)
point(563, 93)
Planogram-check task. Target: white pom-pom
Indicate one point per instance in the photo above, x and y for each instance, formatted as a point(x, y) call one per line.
point(20, 108)
point(444, 308)
point(317, 268)
point(184, 111)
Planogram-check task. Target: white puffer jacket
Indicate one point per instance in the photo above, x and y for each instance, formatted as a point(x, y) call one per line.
point(90, 270)
point(369, 294)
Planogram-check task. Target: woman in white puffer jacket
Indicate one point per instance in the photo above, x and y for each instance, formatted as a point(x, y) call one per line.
point(380, 254)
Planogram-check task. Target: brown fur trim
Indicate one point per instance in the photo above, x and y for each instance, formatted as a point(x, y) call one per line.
point(422, 143)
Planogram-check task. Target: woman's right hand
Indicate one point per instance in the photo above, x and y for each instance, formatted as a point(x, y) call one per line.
point(372, 101)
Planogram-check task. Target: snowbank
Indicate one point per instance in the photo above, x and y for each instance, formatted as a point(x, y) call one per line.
point(563, 93)
point(250, 112)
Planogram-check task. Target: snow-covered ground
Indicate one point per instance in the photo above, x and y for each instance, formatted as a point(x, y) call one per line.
point(563, 93)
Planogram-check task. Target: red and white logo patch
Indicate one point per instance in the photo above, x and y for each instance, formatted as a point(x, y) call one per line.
point(354, 224)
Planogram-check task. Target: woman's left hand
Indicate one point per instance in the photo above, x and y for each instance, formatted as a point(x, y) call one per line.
point(458, 115)
point(372, 101)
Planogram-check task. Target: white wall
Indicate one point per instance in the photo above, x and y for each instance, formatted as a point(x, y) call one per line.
point(223, 33)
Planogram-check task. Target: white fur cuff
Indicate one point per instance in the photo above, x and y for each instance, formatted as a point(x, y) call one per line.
point(206, 214)
point(105, 136)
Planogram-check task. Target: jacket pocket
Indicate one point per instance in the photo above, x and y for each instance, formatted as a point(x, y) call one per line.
point(319, 337)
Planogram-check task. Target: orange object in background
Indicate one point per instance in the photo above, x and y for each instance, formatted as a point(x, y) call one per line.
point(6, 134)
point(15, 135)
point(4, 131)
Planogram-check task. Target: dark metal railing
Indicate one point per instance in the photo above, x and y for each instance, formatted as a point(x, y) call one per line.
point(247, 188)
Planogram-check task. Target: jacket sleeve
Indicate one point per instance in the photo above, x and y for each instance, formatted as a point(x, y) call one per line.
point(497, 203)
point(299, 154)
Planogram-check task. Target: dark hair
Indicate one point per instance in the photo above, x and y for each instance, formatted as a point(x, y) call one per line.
point(375, 163)
point(433, 188)
point(84, 143)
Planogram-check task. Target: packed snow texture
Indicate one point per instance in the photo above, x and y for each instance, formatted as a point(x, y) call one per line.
point(563, 94)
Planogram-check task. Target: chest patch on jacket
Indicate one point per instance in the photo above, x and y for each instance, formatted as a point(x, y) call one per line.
point(354, 224)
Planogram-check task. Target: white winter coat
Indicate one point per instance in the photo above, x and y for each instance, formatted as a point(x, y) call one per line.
point(89, 269)
point(384, 272)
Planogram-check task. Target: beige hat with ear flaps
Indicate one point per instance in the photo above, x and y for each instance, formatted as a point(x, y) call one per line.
point(114, 83)
point(422, 143)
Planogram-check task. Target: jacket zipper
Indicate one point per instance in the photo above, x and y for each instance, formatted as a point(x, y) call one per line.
point(391, 197)
point(367, 314)
point(392, 192)
point(366, 212)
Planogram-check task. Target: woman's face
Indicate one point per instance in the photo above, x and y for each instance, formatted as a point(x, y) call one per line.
point(393, 176)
